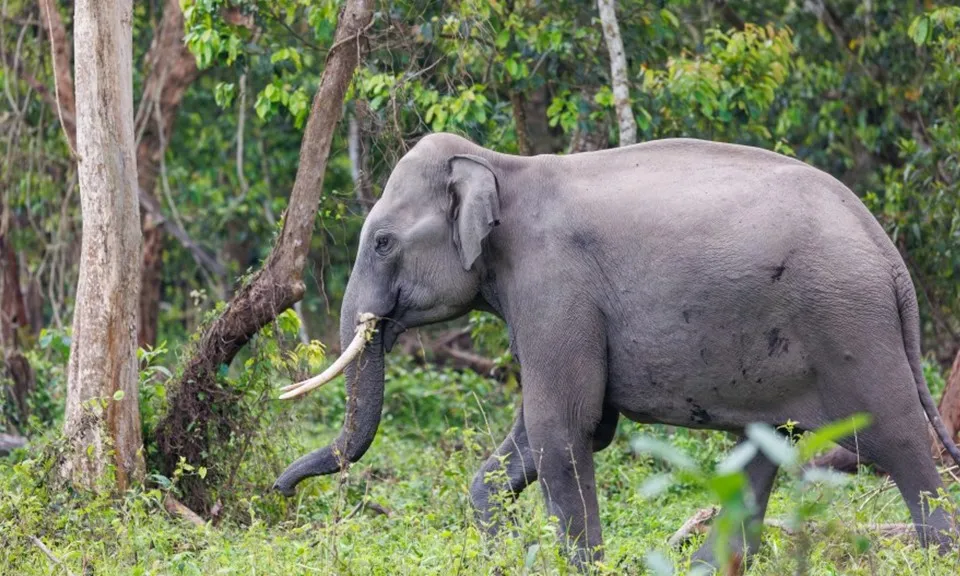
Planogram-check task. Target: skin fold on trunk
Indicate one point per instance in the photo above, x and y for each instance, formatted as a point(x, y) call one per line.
point(364, 377)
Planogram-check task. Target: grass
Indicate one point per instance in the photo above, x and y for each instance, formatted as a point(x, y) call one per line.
point(437, 428)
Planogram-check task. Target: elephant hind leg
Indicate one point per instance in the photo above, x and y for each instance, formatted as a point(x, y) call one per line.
point(896, 439)
point(761, 474)
point(515, 459)
point(606, 429)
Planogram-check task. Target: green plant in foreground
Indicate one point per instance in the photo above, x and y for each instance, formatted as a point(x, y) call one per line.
point(729, 486)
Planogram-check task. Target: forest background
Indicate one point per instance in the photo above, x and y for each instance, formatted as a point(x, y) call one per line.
point(223, 94)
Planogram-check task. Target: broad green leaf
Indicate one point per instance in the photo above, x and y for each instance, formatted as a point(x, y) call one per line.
point(919, 29)
point(658, 563)
point(773, 445)
point(656, 485)
point(659, 449)
point(827, 435)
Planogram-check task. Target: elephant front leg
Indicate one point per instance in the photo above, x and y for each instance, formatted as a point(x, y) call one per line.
point(564, 381)
point(490, 488)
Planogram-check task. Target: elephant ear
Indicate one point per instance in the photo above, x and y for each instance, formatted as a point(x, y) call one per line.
point(474, 204)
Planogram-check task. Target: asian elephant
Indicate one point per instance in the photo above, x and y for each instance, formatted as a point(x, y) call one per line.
point(680, 281)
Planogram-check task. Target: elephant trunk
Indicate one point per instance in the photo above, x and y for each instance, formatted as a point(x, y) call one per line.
point(364, 376)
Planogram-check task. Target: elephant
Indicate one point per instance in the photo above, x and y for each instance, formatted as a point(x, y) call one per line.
point(678, 281)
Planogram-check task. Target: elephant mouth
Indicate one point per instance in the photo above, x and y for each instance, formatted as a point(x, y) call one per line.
point(391, 330)
point(390, 327)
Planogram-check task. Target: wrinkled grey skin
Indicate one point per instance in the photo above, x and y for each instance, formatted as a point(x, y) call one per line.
point(683, 282)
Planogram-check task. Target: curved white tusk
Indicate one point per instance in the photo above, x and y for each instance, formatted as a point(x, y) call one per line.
point(365, 329)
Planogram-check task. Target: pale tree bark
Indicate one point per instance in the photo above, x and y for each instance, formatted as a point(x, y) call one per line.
point(102, 415)
point(190, 425)
point(618, 72)
point(358, 142)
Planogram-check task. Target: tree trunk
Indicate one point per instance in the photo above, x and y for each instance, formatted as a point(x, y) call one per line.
point(517, 102)
point(618, 72)
point(172, 69)
point(197, 398)
point(949, 406)
point(102, 415)
point(358, 142)
point(14, 319)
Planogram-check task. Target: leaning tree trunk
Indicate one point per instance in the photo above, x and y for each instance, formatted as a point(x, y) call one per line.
point(102, 415)
point(190, 425)
point(618, 72)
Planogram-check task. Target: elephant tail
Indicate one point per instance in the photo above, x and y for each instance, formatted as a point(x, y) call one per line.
point(910, 327)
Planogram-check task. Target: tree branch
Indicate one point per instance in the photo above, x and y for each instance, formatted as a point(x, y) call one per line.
point(60, 56)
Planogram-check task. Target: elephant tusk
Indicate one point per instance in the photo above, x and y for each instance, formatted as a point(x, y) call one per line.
point(365, 327)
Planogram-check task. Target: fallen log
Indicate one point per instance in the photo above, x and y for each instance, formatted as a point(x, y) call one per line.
point(10, 442)
point(453, 349)
point(700, 521)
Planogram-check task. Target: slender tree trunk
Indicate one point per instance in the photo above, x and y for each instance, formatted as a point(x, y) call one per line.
point(14, 318)
point(190, 426)
point(102, 415)
point(358, 132)
point(618, 72)
point(518, 103)
point(172, 69)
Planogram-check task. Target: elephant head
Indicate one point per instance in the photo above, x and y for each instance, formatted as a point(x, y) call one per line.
point(417, 263)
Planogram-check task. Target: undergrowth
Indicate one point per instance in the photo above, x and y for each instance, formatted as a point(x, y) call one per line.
point(405, 508)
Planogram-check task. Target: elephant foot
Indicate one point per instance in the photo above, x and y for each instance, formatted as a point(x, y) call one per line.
point(705, 561)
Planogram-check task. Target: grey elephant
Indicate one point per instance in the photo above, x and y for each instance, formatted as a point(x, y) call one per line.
point(683, 282)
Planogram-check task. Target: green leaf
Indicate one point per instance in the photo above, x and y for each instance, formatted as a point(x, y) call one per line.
point(263, 106)
point(728, 488)
point(658, 563)
point(503, 38)
point(827, 435)
point(656, 485)
point(774, 446)
point(118, 395)
point(531, 556)
point(664, 451)
point(738, 458)
point(919, 29)
point(669, 18)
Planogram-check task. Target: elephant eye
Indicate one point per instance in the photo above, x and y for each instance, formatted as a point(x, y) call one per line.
point(382, 243)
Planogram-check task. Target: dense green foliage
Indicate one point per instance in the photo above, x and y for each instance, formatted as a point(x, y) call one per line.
point(867, 91)
point(438, 426)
